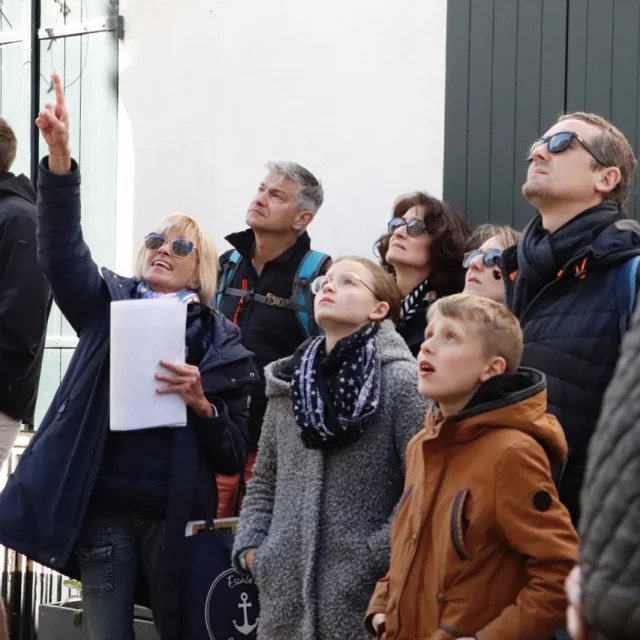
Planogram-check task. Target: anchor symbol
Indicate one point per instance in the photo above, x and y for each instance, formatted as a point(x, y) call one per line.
point(246, 628)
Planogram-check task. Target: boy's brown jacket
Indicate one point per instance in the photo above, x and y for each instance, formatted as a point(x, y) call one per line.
point(481, 545)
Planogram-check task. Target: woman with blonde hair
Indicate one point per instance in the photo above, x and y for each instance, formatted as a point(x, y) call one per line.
point(112, 507)
point(315, 524)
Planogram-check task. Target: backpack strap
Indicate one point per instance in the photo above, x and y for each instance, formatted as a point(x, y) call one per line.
point(301, 300)
point(228, 271)
point(626, 291)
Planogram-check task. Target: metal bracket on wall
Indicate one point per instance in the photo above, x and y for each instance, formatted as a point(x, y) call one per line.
point(115, 23)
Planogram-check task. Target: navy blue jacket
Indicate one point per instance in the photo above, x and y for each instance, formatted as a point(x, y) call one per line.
point(572, 334)
point(44, 503)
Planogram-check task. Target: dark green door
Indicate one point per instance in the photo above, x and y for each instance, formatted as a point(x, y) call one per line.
point(512, 67)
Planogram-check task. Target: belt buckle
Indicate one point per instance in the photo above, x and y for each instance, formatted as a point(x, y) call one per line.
point(274, 301)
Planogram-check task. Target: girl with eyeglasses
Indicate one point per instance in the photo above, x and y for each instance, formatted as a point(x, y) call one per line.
point(483, 272)
point(315, 523)
point(423, 249)
point(111, 507)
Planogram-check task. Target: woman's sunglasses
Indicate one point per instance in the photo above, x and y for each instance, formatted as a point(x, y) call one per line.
point(559, 142)
point(490, 258)
point(414, 227)
point(179, 247)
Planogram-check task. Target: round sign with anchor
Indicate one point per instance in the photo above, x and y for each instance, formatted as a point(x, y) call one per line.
point(237, 596)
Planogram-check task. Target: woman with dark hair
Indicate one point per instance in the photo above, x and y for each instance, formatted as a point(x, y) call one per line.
point(424, 246)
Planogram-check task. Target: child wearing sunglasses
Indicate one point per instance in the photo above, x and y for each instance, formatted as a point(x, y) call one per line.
point(314, 526)
point(483, 276)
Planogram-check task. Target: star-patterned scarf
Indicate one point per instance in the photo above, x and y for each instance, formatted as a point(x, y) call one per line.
point(334, 394)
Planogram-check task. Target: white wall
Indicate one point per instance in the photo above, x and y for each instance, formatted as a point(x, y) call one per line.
point(211, 89)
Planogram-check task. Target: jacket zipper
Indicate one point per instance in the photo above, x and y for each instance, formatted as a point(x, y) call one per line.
point(416, 536)
point(404, 499)
point(542, 291)
point(63, 408)
point(456, 523)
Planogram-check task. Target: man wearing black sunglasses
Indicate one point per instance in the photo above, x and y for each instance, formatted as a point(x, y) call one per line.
point(568, 280)
point(264, 283)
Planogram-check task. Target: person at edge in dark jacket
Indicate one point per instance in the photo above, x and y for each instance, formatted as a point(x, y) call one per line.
point(25, 299)
point(271, 253)
point(99, 504)
point(25, 302)
point(484, 277)
point(423, 248)
point(561, 278)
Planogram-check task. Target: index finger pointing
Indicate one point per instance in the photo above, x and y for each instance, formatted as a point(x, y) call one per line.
point(58, 86)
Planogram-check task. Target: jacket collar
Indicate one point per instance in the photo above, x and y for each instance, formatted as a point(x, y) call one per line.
point(619, 241)
point(119, 287)
point(515, 401)
point(245, 241)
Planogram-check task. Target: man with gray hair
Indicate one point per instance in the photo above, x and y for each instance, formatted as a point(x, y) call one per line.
point(264, 284)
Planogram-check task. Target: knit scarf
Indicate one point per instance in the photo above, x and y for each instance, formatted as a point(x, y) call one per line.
point(144, 291)
point(333, 394)
point(541, 255)
point(413, 302)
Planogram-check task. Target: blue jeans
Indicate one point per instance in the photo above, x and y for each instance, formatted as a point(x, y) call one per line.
point(110, 551)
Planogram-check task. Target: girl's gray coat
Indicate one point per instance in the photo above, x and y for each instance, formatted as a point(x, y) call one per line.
point(320, 520)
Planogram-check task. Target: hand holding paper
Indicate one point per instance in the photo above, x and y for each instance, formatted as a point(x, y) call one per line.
point(143, 333)
point(185, 380)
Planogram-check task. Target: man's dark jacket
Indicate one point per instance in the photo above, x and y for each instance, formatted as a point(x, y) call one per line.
point(572, 334)
point(610, 521)
point(271, 333)
point(44, 503)
point(25, 299)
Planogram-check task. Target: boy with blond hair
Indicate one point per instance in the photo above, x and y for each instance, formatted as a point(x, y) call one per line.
point(481, 545)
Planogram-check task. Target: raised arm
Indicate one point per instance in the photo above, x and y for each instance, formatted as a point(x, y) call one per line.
point(62, 252)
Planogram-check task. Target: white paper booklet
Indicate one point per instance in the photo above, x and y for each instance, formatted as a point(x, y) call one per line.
point(143, 332)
